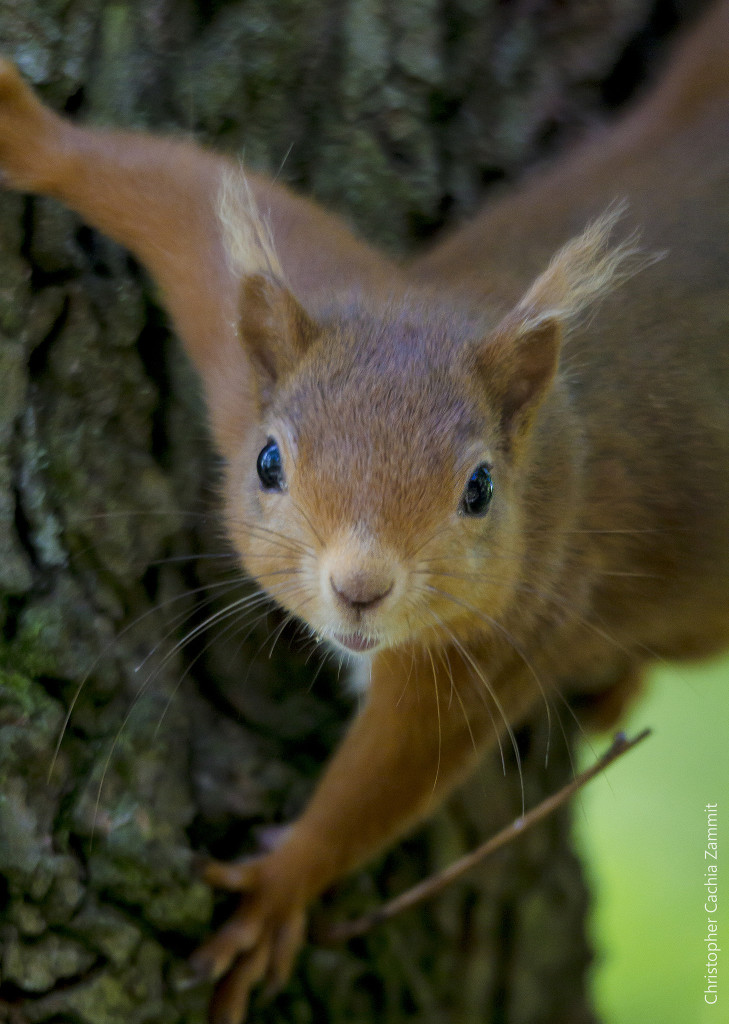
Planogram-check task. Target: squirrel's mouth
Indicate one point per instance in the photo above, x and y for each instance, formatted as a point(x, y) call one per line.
point(356, 642)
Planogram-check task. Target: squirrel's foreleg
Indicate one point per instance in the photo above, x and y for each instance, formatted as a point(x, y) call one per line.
point(423, 726)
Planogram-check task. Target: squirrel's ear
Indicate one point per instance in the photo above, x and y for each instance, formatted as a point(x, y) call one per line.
point(519, 360)
point(275, 330)
point(517, 363)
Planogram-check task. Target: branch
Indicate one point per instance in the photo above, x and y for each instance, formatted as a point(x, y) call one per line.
point(435, 883)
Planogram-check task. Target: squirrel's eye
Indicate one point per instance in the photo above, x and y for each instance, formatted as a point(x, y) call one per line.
point(479, 491)
point(270, 467)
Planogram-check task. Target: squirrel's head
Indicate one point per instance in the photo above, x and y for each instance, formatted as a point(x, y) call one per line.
point(382, 497)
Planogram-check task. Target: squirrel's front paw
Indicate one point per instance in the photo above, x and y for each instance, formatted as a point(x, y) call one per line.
point(260, 941)
point(29, 133)
point(11, 82)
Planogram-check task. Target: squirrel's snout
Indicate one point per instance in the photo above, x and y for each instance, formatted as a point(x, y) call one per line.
point(357, 576)
point(360, 590)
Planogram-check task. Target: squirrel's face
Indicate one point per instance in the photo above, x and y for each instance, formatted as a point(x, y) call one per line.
point(377, 501)
point(392, 489)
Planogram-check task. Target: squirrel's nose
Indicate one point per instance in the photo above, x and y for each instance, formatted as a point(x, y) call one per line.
point(360, 591)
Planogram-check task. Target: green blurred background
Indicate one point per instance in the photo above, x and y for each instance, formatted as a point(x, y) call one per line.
point(642, 828)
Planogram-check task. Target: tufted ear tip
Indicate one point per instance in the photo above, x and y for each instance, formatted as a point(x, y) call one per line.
point(520, 358)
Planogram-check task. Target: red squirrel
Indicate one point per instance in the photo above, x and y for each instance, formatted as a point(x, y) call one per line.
point(491, 475)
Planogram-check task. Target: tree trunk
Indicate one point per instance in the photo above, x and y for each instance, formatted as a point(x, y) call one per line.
point(181, 731)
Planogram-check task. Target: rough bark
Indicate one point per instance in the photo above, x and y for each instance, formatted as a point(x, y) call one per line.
point(182, 739)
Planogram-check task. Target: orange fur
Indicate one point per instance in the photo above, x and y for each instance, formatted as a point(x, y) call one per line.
point(607, 539)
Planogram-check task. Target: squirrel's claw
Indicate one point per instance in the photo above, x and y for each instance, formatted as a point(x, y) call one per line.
point(230, 1001)
point(233, 876)
point(258, 944)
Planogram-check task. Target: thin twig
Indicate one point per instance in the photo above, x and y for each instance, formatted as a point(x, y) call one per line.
point(435, 883)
